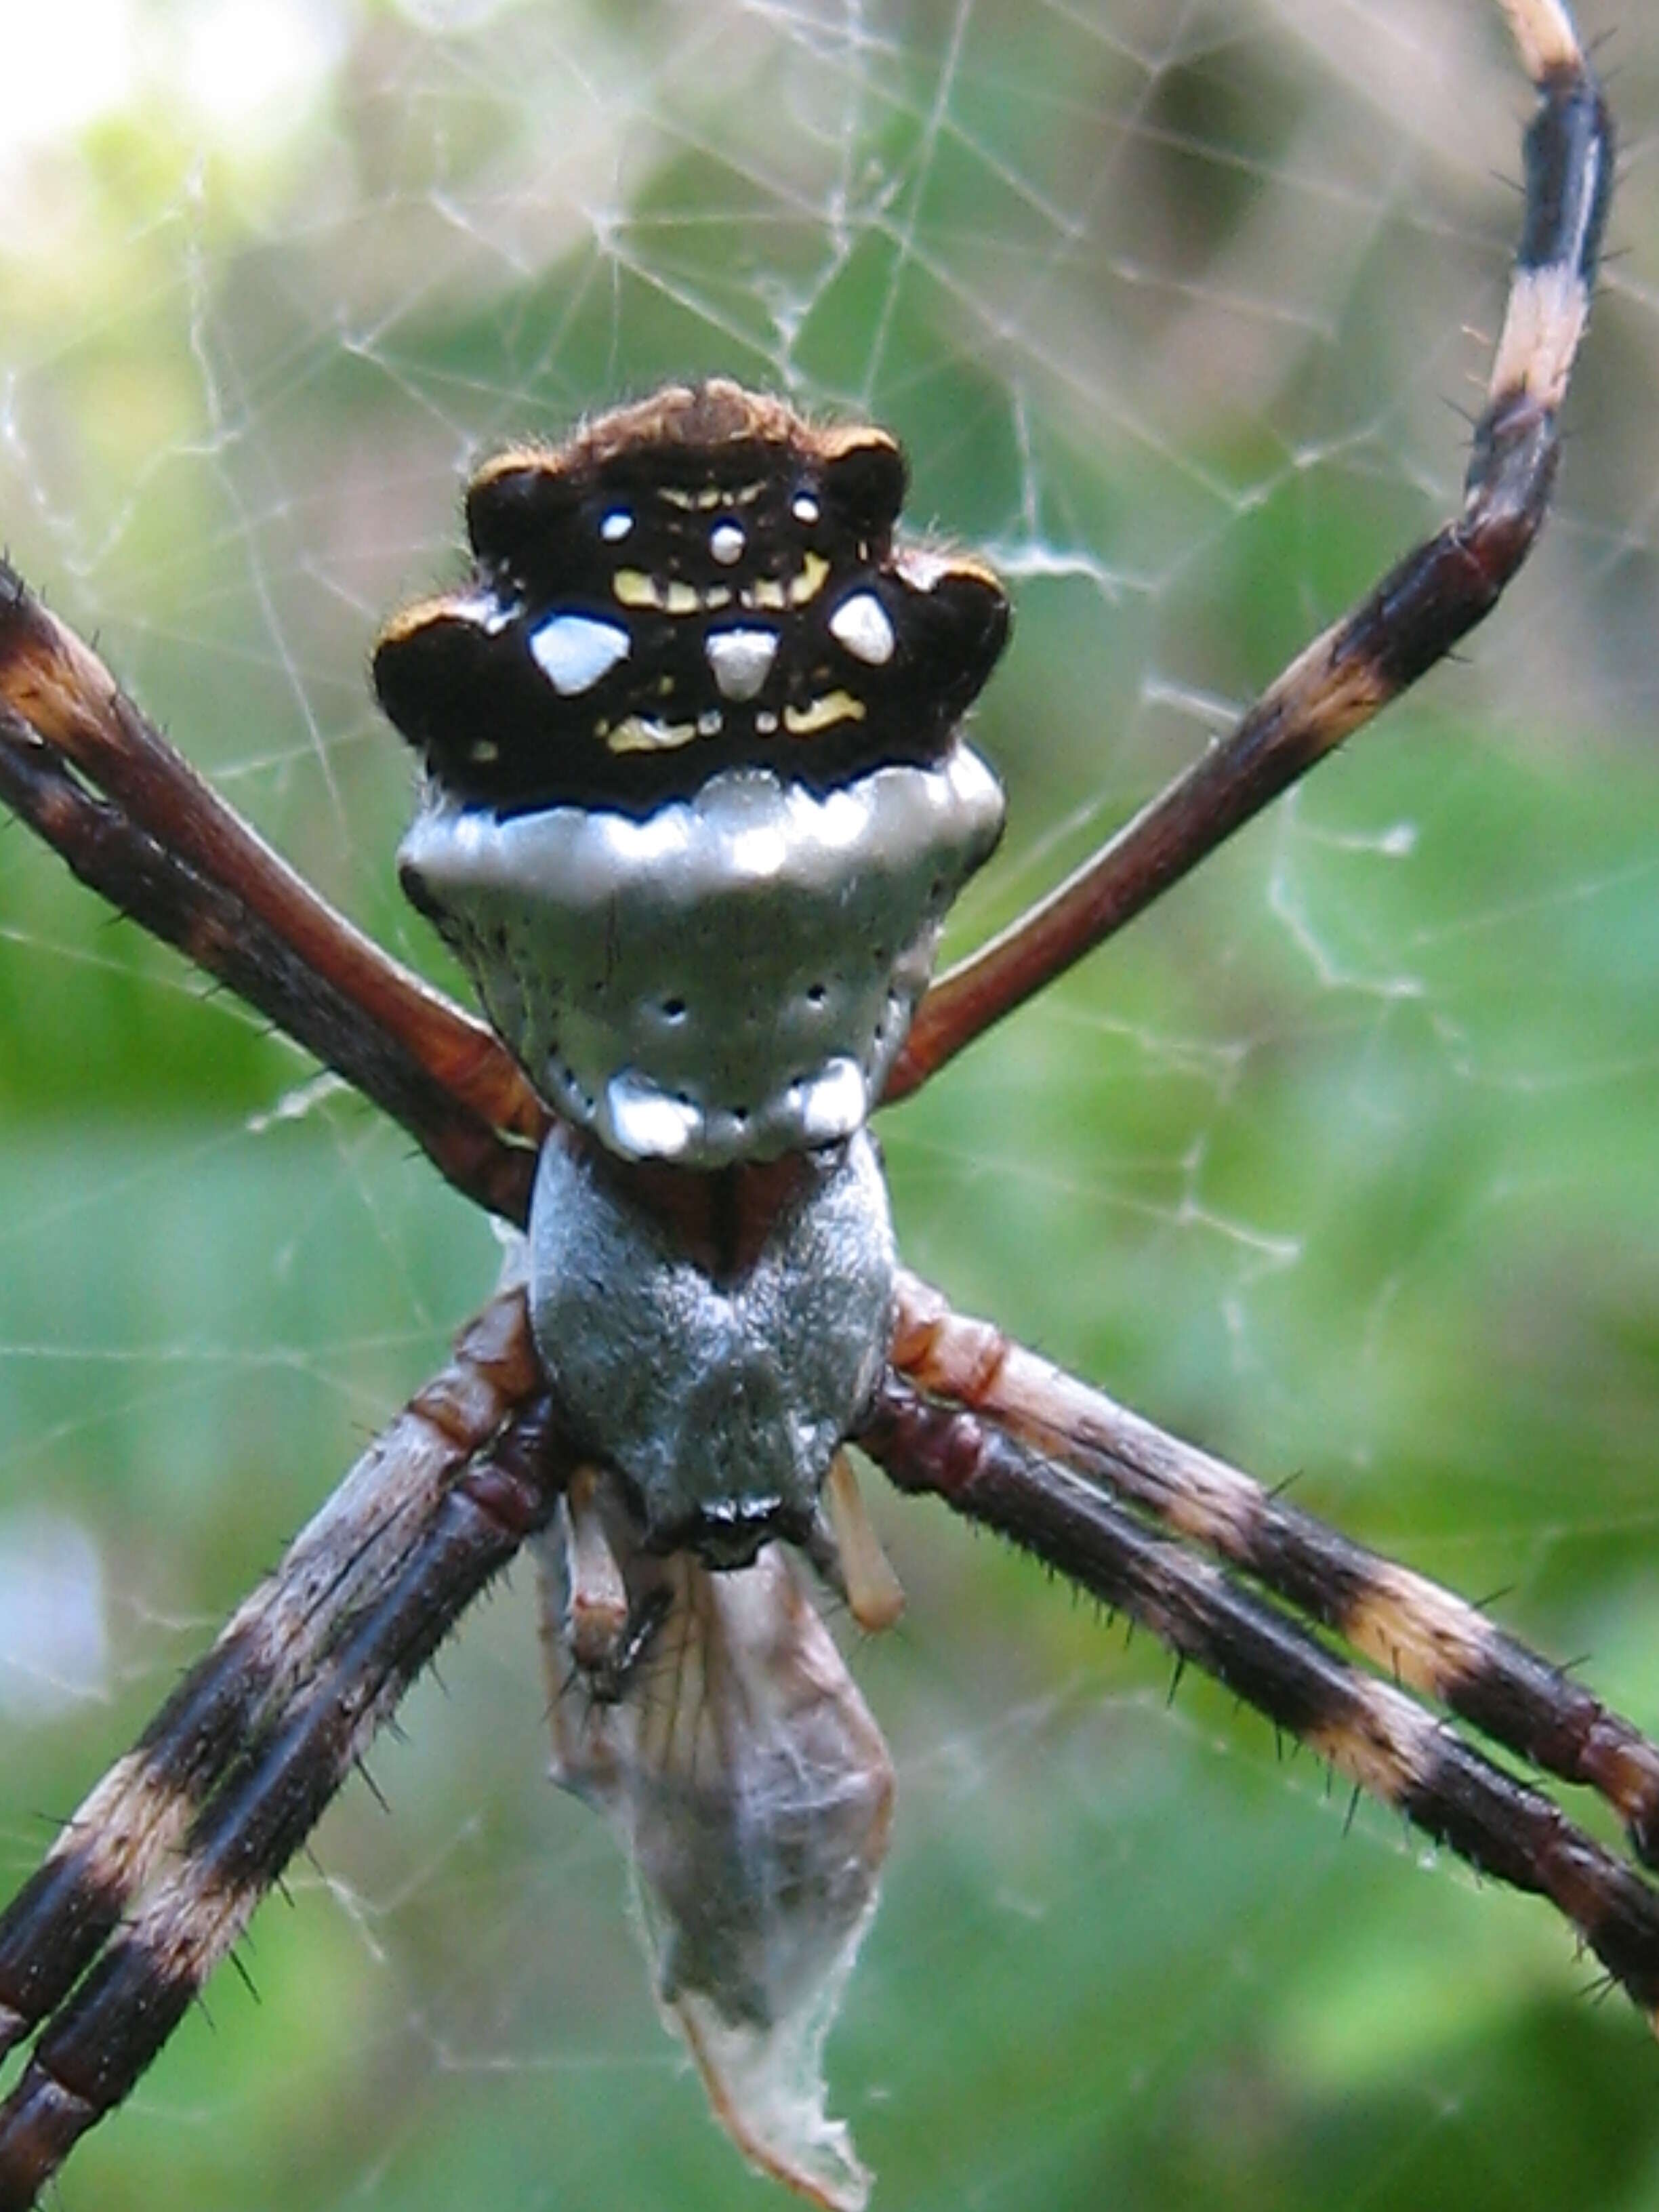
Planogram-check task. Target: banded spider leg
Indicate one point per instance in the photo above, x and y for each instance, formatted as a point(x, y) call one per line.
point(153, 1880)
point(1412, 619)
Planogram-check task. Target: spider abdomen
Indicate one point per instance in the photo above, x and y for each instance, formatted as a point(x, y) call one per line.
point(729, 979)
point(698, 798)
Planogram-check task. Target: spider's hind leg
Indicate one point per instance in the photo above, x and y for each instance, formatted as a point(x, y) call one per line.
point(1409, 621)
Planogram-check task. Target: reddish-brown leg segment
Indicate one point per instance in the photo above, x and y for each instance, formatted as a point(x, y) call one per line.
point(1412, 618)
point(163, 847)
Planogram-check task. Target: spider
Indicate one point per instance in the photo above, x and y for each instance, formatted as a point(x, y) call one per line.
point(151, 1882)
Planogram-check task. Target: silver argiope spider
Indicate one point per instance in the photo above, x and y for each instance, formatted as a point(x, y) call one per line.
point(986, 1431)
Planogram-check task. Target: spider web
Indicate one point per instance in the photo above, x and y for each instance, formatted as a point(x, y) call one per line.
point(1342, 1161)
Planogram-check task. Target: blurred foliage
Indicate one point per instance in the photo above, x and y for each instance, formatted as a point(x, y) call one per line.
point(1342, 1163)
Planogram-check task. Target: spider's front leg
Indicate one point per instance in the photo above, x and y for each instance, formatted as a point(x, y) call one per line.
point(162, 1866)
point(1419, 1634)
point(1367, 1728)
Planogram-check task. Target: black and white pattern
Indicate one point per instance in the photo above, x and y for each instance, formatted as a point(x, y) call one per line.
point(700, 582)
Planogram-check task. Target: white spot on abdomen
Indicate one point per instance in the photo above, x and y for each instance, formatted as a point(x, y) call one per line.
point(740, 661)
point(862, 623)
point(726, 541)
point(574, 652)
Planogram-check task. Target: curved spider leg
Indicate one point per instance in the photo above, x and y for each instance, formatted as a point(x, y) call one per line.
point(166, 848)
point(1425, 1637)
point(339, 1572)
point(1410, 620)
point(1367, 1730)
point(225, 938)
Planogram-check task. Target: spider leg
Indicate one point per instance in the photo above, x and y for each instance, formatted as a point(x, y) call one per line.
point(1369, 1729)
point(1422, 1635)
point(225, 938)
point(235, 1770)
point(1410, 620)
point(165, 848)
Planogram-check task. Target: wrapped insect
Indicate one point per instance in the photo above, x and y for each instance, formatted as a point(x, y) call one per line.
point(712, 1718)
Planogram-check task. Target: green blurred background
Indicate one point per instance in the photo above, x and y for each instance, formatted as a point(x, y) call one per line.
point(1342, 1163)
